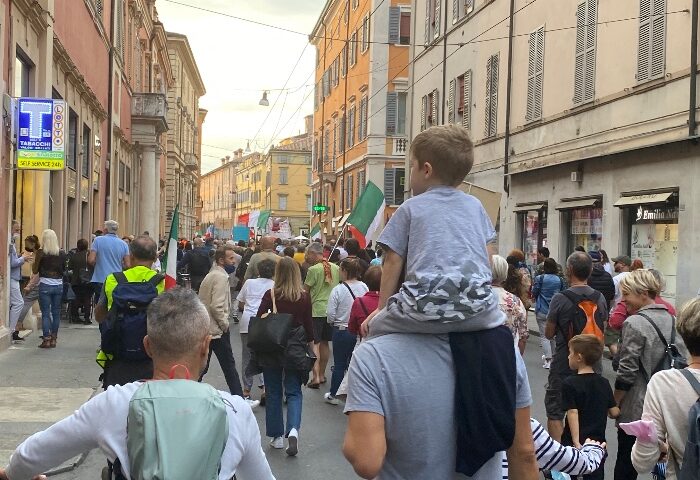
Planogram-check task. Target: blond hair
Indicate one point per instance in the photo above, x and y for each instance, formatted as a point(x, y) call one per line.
point(688, 325)
point(640, 281)
point(288, 279)
point(50, 242)
point(448, 149)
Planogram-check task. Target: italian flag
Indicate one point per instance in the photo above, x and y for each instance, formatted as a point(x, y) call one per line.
point(170, 266)
point(367, 216)
point(315, 232)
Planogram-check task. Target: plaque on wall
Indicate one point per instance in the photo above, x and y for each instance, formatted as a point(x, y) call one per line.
point(71, 183)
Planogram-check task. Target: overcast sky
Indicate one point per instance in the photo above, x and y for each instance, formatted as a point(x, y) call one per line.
point(238, 60)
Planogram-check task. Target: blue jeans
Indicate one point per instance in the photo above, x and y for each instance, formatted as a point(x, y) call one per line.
point(274, 417)
point(50, 298)
point(343, 345)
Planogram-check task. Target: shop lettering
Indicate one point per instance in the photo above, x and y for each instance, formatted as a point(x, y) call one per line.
point(657, 214)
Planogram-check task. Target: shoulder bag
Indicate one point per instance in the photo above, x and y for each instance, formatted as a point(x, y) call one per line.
point(270, 332)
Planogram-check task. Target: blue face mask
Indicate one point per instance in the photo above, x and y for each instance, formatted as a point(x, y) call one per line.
point(230, 269)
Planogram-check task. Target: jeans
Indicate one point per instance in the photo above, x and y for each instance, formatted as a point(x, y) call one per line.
point(624, 470)
point(274, 417)
point(16, 303)
point(547, 345)
point(50, 298)
point(245, 353)
point(222, 348)
point(29, 299)
point(343, 345)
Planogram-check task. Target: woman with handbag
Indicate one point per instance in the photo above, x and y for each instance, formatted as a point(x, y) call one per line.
point(288, 297)
point(339, 305)
point(81, 274)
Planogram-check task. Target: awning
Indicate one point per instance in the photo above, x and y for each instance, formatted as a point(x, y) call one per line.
point(643, 198)
point(343, 220)
point(529, 208)
point(573, 204)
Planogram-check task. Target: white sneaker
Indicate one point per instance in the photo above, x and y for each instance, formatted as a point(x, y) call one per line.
point(252, 403)
point(331, 399)
point(293, 442)
point(277, 442)
point(546, 363)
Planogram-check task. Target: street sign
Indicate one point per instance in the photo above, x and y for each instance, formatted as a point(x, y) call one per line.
point(41, 139)
point(320, 208)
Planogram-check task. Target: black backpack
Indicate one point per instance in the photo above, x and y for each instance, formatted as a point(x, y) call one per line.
point(690, 470)
point(671, 358)
point(126, 322)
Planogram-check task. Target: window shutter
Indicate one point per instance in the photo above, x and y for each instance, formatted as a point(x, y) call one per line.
point(389, 186)
point(438, 3)
point(494, 94)
point(455, 11)
point(535, 75)
point(427, 22)
point(451, 103)
point(394, 24)
point(435, 108)
point(467, 112)
point(580, 62)
point(341, 134)
point(468, 6)
point(423, 110)
point(487, 100)
point(591, 31)
point(658, 40)
point(532, 59)
point(644, 40)
point(364, 119)
point(392, 111)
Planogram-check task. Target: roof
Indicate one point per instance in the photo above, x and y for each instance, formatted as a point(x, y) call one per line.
point(189, 57)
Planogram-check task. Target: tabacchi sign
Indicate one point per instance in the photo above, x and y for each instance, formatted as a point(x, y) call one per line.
point(41, 134)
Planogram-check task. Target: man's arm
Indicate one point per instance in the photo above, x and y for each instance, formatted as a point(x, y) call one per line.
point(126, 262)
point(217, 303)
point(92, 258)
point(365, 443)
point(550, 329)
point(522, 462)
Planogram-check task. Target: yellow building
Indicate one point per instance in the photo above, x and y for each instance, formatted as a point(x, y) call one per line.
point(250, 185)
point(217, 196)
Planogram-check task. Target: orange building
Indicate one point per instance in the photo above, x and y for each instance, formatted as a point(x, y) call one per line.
point(362, 82)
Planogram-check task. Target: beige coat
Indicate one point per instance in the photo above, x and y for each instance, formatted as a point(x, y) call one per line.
point(215, 294)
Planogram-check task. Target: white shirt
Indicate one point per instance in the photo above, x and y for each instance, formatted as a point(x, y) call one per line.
point(251, 294)
point(340, 302)
point(616, 280)
point(101, 423)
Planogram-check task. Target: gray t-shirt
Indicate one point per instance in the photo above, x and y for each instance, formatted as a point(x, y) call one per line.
point(385, 375)
point(442, 236)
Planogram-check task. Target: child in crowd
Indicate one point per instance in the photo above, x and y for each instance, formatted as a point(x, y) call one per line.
point(438, 242)
point(586, 397)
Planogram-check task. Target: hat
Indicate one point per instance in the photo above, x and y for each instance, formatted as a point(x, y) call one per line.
point(623, 259)
point(595, 256)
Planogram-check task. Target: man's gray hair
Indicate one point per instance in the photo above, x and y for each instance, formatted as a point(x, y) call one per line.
point(580, 265)
point(315, 248)
point(111, 226)
point(177, 322)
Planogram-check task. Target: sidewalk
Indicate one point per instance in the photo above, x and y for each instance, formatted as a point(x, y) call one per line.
point(34, 394)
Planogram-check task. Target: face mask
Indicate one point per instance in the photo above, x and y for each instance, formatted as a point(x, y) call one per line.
point(230, 269)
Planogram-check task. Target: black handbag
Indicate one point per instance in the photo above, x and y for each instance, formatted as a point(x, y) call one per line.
point(270, 332)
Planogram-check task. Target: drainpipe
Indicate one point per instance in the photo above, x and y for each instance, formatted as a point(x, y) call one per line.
point(506, 156)
point(692, 123)
point(444, 68)
point(110, 115)
point(345, 104)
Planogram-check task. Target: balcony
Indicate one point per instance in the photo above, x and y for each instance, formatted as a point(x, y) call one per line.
point(400, 146)
point(150, 109)
point(191, 162)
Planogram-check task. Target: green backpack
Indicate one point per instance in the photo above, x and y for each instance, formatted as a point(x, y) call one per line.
point(176, 429)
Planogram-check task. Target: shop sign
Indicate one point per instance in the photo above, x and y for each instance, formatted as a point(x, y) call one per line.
point(661, 214)
point(41, 128)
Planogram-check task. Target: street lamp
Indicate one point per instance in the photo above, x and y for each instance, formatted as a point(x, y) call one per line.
point(263, 101)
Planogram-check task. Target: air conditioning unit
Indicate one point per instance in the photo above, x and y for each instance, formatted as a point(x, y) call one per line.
point(577, 176)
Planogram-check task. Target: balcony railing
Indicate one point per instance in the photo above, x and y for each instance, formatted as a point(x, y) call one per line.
point(191, 161)
point(400, 146)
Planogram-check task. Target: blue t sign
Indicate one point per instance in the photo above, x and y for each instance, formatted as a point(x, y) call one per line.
point(41, 134)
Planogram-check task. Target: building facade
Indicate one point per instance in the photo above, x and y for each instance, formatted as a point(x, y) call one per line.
point(362, 53)
point(250, 187)
point(184, 137)
point(217, 194)
point(583, 114)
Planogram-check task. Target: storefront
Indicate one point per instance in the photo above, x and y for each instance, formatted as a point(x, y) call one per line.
point(532, 222)
point(651, 233)
point(582, 222)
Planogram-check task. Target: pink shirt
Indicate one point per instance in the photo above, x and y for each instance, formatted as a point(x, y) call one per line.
point(619, 313)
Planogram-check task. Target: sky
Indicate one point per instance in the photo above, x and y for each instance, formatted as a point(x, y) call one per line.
point(238, 60)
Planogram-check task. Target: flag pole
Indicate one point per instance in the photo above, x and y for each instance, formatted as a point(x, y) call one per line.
point(337, 240)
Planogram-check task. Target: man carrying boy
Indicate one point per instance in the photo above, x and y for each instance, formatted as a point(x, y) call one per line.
point(453, 294)
point(586, 397)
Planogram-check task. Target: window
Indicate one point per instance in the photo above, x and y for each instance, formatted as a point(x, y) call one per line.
point(432, 20)
point(71, 159)
point(121, 175)
point(85, 161)
point(396, 113)
point(23, 71)
point(326, 144)
point(405, 29)
point(584, 72)
point(335, 138)
point(309, 177)
point(346, 12)
point(360, 182)
point(283, 176)
point(362, 122)
point(461, 8)
point(344, 61)
point(535, 75)
point(341, 134)
point(350, 127)
point(127, 180)
point(491, 103)
point(365, 34)
point(317, 96)
point(309, 204)
point(652, 39)
point(394, 182)
point(336, 71)
point(399, 26)
point(355, 4)
point(348, 193)
point(429, 110)
point(353, 49)
point(283, 159)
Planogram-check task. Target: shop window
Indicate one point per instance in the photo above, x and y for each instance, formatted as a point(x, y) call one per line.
point(584, 228)
point(533, 224)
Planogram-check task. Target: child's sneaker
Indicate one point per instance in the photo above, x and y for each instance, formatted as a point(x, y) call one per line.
point(16, 338)
point(331, 399)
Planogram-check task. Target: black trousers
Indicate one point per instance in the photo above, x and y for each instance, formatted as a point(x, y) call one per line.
point(224, 353)
point(624, 470)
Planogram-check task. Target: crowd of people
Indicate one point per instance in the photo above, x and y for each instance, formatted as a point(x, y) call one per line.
point(397, 320)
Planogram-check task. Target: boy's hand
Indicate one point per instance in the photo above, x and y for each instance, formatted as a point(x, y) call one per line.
point(593, 442)
point(577, 445)
point(364, 328)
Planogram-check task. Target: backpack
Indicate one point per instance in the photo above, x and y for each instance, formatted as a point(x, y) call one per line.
point(199, 262)
point(176, 430)
point(671, 358)
point(584, 316)
point(126, 322)
point(690, 470)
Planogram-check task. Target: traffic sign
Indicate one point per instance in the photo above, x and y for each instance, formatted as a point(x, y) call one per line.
point(41, 133)
point(320, 208)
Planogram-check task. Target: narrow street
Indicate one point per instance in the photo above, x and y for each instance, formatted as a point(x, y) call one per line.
point(40, 387)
